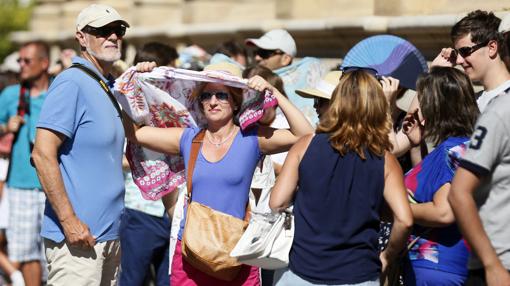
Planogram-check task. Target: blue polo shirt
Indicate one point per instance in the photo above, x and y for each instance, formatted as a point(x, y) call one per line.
point(22, 175)
point(90, 158)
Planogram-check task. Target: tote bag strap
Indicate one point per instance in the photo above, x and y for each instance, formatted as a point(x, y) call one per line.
point(195, 148)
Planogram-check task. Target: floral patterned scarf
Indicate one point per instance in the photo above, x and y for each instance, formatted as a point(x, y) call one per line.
point(161, 98)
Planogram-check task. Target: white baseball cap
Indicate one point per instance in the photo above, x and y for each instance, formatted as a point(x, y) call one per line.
point(277, 39)
point(504, 26)
point(98, 15)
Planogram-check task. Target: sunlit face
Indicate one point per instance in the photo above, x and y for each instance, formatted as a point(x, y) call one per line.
point(215, 106)
point(476, 64)
point(32, 65)
point(103, 46)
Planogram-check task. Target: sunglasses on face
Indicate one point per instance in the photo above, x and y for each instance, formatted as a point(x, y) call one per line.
point(220, 96)
point(372, 71)
point(317, 101)
point(265, 54)
point(25, 61)
point(467, 51)
point(105, 31)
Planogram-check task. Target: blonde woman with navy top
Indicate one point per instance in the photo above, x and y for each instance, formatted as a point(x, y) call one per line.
point(339, 179)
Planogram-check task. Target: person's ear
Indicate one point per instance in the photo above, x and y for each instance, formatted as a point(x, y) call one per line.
point(80, 37)
point(285, 60)
point(45, 63)
point(493, 49)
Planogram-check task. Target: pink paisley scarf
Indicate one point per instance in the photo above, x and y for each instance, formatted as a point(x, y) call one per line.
point(161, 98)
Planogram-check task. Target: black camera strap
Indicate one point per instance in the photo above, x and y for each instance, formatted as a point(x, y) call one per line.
point(103, 85)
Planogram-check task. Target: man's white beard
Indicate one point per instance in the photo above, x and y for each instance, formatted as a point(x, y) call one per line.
point(111, 58)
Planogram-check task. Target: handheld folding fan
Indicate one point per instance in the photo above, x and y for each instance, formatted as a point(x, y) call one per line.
point(390, 56)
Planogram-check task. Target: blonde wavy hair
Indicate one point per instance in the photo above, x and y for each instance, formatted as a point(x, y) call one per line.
point(358, 117)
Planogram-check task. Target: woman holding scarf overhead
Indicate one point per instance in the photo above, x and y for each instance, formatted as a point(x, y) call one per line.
point(226, 160)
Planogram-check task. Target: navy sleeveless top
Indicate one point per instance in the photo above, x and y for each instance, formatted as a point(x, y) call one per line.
point(336, 213)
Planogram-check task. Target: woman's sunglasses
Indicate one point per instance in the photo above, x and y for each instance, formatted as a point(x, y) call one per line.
point(220, 96)
point(372, 71)
point(106, 31)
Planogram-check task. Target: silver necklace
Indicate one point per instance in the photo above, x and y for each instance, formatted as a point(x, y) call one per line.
point(218, 144)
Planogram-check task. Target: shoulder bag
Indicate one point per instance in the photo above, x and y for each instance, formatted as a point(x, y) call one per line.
point(209, 235)
point(267, 241)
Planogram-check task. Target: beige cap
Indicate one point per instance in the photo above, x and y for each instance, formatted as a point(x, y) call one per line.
point(404, 102)
point(98, 15)
point(225, 67)
point(324, 88)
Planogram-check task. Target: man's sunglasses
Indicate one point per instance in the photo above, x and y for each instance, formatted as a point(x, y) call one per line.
point(265, 54)
point(372, 71)
point(220, 96)
point(26, 61)
point(105, 31)
point(467, 51)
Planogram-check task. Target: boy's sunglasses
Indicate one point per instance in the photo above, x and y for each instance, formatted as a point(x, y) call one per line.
point(220, 96)
point(105, 31)
point(467, 51)
point(265, 54)
point(372, 71)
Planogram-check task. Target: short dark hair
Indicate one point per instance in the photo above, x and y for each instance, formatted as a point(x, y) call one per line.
point(43, 49)
point(266, 74)
point(231, 48)
point(157, 52)
point(483, 27)
point(447, 102)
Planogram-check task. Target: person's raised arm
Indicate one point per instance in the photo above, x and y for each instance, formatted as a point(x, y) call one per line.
point(466, 213)
point(396, 198)
point(164, 140)
point(282, 193)
point(446, 58)
point(45, 158)
point(273, 140)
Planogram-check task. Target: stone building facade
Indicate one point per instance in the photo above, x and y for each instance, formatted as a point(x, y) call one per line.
point(322, 28)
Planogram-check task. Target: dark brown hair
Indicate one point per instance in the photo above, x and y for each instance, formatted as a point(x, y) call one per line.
point(231, 48)
point(448, 103)
point(483, 27)
point(267, 74)
point(158, 52)
point(358, 117)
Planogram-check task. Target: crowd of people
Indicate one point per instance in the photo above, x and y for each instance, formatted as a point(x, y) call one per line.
point(71, 214)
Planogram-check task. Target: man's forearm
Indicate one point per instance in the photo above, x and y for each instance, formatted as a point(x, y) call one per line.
point(471, 227)
point(51, 180)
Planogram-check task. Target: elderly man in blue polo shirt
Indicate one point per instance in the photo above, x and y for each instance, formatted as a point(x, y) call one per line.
point(78, 157)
